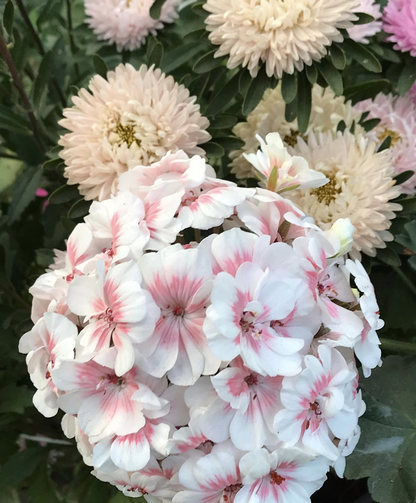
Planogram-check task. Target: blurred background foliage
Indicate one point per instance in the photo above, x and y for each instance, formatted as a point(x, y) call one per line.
point(54, 54)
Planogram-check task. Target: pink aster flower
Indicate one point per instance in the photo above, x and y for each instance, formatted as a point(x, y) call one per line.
point(412, 93)
point(243, 409)
point(282, 475)
point(362, 32)
point(49, 342)
point(398, 120)
point(213, 478)
point(180, 281)
point(317, 404)
point(399, 20)
point(116, 309)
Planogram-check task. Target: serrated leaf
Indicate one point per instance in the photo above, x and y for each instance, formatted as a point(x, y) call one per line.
point(207, 62)
point(407, 78)
point(64, 194)
point(79, 209)
point(24, 191)
point(255, 91)
point(386, 452)
point(156, 9)
point(403, 177)
point(223, 97)
point(361, 55)
point(8, 18)
point(100, 66)
point(331, 76)
point(289, 87)
point(44, 75)
point(304, 103)
point(389, 257)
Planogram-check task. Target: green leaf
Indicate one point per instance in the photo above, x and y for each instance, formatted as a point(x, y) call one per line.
point(212, 149)
point(385, 145)
point(156, 9)
point(64, 194)
point(331, 76)
point(42, 489)
point(223, 97)
point(156, 55)
point(409, 205)
point(389, 257)
point(408, 240)
point(24, 191)
point(244, 82)
point(255, 91)
point(46, 12)
point(206, 63)
point(338, 57)
point(100, 66)
point(363, 18)
point(370, 124)
point(361, 55)
point(8, 494)
point(11, 121)
point(229, 142)
point(223, 122)
point(21, 465)
point(181, 55)
point(386, 452)
point(15, 399)
point(291, 111)
point(289, 87)
point(407, 78)
point(312, 74)
point(403, 177)
point(198, 9)
point(366, 89)
point(79, 209)
point(304, 103)
point(53, 164)
point(8, 17)
point(41, 82)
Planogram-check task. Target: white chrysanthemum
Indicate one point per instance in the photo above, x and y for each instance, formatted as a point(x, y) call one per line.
point(327, 112)
point(133, 118)
point(127, 22)
point(360, 187)
point(284, 34)
point(361, 32)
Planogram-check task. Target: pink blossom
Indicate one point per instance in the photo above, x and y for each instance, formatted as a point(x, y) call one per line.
point(399, 20)
point(362, 32)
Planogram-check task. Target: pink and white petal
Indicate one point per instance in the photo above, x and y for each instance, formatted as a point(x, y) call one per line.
point(320, 442)
point(78, 243)
point(231, 387)
point(248, 430)
point(46, 400)
point(233, 248)
point(125, 351)
point(59, 328)
point(288, 425)
point(215, 423)
point(158, 436)
point(131, 452)
point(222, 347)
point(84, 297)
point(190, 361)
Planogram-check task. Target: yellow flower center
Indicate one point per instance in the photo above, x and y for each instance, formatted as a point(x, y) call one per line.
point(292, 138)
point(328, 192)
point(128, 3)
point(394, 135)
point(126, 134)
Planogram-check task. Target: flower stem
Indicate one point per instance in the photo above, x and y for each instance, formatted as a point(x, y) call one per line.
point(20, 88)
point(405, 280)
point(398, 346)
point(70, 34)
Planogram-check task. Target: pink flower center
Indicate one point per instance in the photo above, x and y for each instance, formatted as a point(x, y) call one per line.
point(251, 380)
point(107, 316)
point(315, 408)
point(247, 321)
point(70, 277)
point(137, 490)
point(110, 252)
point(276, 479)
point(230, 492)
point(178, 311)
point(276, 323)
point(113, 379)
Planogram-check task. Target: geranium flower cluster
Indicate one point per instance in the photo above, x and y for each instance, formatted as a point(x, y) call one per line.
point(202, 338)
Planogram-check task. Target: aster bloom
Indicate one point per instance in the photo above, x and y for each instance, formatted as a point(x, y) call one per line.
point(360, 188)
point(127, 23)
point(399, 20)
point(282, 475)
point(49, 342)
point(397, 117)
point(134, 117)
point(362, 32)
point(316, 402)
point(117, 310)
point(327, 111)
point(279, 170)
point(288, 35)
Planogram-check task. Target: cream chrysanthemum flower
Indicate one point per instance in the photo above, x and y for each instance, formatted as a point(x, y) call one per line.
point(134, 117)
point(360, 187)
point(285, 34)
point(327, 112)
point(127, 22)
point(398, 120)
